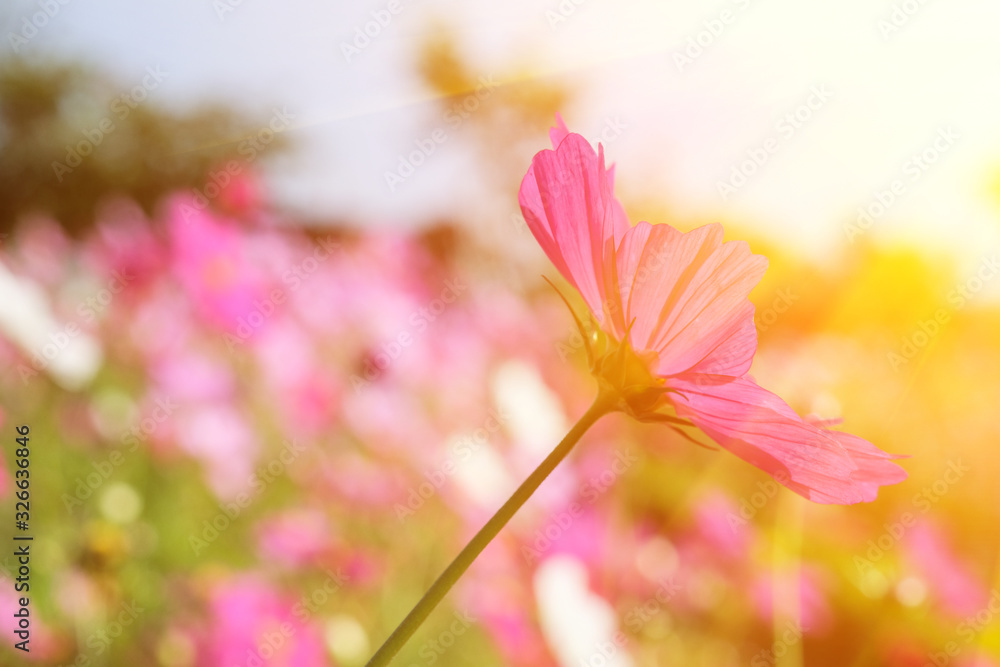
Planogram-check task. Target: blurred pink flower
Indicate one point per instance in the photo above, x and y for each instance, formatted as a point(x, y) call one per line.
point(294, 539)
point(220, 437)
point(499, 595)
point(719, 522)
point(360, 482)
point(41, 251)
point(189, 376)
point(210, 258)
point(125, 242)
point(363, 568)
point(390, 421)
point(78, 595)
point(252, 623)
point(583, 534)
point(307, 397)
point(161, 323)
point(43, 643)
point(676, 327)
point(815, 615)
point(242, 194)
point(950, 582)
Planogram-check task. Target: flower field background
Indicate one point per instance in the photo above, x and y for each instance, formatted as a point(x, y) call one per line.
point(258, 436)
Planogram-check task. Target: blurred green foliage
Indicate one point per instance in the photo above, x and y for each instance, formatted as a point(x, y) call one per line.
point(71, 136)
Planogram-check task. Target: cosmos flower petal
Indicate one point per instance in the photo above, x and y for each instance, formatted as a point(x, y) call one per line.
point(688, 296)
point(733, 356)
point(620, 218)
point(621, 266)
point(559, 132)
point(871, 461)
point(567, 201)
point(756, 425)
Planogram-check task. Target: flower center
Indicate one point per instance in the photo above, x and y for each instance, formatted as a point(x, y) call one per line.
point(624, 374)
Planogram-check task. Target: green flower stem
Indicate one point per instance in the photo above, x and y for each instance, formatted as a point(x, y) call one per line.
point(602, 405)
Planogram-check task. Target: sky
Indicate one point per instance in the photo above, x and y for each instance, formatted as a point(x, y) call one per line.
point(893, 104)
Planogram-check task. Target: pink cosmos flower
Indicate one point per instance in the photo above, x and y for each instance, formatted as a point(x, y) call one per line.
point(675, 335)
